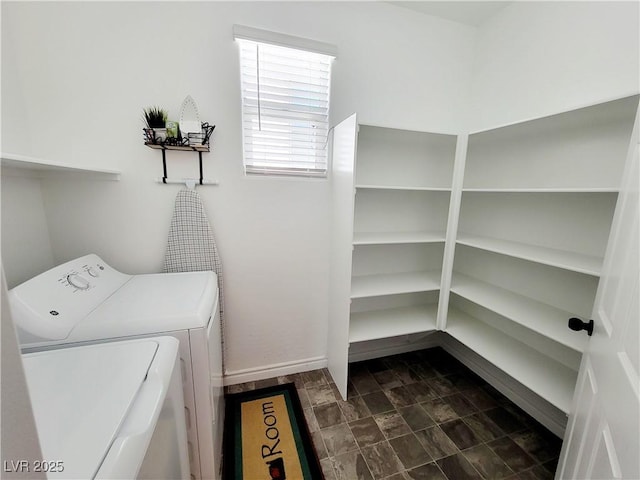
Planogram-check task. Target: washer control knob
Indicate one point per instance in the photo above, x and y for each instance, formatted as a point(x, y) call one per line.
point(93, 272)
point(78, 281)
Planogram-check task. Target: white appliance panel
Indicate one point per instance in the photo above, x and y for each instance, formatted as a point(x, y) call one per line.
point(81, 396)
point(206, 357)
point(152, 303)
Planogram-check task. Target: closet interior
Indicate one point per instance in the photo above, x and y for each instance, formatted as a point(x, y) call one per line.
point(536, 203)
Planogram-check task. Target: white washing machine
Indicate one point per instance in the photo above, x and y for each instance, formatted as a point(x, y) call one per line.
point(86, 301)
point(109, 411)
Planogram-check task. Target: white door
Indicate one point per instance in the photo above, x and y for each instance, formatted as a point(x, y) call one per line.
point(602, 438)
point(342, 181)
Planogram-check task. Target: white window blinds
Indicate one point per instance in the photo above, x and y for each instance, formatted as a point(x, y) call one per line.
point(285, 108)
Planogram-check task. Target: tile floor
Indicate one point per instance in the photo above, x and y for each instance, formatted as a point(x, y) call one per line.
point(420, 415)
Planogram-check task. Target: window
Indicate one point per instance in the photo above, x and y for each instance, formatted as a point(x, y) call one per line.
point(285, 83)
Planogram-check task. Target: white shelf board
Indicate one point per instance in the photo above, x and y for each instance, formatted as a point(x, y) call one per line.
point(382, 238)
point(395, 283)
point(551, 380)
point(402, 187)
point(578, 113)
point(392, 322)
point(408, 130)
point(544, 319)
point(45, 166)
point(544, 190)
point(548, 256)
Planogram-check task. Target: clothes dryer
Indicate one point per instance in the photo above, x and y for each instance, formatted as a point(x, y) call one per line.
point(109, 411)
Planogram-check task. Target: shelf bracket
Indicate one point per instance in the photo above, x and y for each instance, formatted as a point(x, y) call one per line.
point(165, 176)
point(164, 166)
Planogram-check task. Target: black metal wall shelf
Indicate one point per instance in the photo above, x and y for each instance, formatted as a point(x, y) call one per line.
point(196, 147)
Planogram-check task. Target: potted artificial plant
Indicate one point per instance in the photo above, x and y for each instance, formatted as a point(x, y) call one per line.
point(156, 120)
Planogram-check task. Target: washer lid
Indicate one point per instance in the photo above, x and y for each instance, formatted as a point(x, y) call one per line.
point(152, 303)
point(80, 398)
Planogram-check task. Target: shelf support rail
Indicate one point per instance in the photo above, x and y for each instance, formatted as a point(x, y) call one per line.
point(164, 166)
point(200, 181)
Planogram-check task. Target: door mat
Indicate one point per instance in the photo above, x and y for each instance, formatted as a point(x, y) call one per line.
point(266, 437)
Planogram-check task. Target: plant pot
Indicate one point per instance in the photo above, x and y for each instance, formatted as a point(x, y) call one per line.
point(160, 134)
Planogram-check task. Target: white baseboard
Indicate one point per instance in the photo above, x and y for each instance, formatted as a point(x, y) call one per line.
point(545, 413)
point(275, 370)
point(384, 348)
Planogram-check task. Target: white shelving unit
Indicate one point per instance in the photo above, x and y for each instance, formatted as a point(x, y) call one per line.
point(397, 211)
point(363, 286)
point(545, 255)
point(546, 377)
point(537, 316)
point(402, 191)
point(538, 200)
point(389, 322)
point(496, 237)
point(565, 229)
point(389, 238)
point(543, 190)
point(575, 150)
point(391, 205)
point(402, 187)
point(404, 159)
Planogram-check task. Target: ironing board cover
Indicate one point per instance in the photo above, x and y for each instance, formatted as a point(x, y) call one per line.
point(191, 246)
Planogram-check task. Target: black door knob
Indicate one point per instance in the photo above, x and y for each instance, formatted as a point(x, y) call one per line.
point(577, 325)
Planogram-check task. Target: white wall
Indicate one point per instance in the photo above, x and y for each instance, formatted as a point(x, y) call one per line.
point(538, 58)
point(82, 73)
point(26, 246)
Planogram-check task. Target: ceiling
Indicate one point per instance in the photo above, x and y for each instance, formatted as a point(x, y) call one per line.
point(471, 13)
